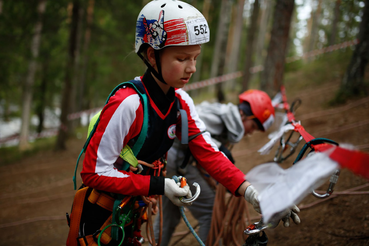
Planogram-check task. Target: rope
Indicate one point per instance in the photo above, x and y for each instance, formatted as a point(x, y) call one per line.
point(228, 220)
point(152, 208)
point(181, 209)
point(183, 234)
point(248, 219)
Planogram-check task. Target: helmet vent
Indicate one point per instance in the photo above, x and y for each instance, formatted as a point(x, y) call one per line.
point(179, 6)
point(162, 6)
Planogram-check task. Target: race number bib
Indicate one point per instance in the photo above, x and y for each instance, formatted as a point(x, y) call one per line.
point(198, 31)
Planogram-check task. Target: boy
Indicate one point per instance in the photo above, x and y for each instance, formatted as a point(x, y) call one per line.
point(169, 35)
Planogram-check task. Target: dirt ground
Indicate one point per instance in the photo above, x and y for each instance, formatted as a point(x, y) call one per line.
point(37, 191)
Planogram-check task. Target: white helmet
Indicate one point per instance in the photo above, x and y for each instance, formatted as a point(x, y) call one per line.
point(163, 23)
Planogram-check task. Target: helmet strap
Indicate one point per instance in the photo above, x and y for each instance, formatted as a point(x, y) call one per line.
point(157, 74)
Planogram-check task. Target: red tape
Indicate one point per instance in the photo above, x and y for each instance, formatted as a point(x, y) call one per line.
point(298, 128)
point(356, 161)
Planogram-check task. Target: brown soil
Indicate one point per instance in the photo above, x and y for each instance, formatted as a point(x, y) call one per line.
point(37, 191)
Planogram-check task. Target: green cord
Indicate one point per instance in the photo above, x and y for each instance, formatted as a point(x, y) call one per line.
point(123, 219)
point(106, 227)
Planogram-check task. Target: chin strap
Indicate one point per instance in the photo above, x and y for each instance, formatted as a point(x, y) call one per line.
point(152, 70)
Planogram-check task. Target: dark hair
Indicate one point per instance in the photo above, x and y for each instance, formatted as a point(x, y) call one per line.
point(246, 109)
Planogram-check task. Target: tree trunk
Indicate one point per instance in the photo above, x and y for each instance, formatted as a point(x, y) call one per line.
point(260, 53)
point(272, 76)
point(66, 94)
point(40, 110)
point(196, 76)
point(234, 46)
point(353, 80)
point(315, 20)
point(82, 81)
point(74, 104)
point(28, 86)
point(332, 38)
point(217, 66)
point(250, 46)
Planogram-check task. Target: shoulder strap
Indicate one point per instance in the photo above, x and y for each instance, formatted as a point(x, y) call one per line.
point(184, 121)
point(137, 85)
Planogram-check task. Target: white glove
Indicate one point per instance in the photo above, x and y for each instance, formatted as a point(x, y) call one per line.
point(174, 192)
point(251, 195)
point(292, 214)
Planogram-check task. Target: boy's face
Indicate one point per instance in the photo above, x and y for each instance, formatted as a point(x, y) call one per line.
point(178, 63)
point(249, 124)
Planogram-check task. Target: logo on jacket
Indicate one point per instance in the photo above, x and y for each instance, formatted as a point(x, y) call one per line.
point(172, 131)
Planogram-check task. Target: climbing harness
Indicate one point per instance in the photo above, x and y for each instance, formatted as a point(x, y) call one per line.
point(127, 213)
point(137, 85)
point(117, 221)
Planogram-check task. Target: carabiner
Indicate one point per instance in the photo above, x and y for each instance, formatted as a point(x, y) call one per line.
point(194, 197)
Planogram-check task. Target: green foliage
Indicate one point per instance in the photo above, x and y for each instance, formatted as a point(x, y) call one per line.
point(327, 67)
point(344, 94)
point(16, 28)
point(13, 154)
point(110, 55)
point(348, 22)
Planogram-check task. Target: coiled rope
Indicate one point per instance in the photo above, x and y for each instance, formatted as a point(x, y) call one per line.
point(228, 219)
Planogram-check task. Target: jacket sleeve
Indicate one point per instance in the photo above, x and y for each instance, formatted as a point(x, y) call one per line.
point(205, 151)
point(121, 120)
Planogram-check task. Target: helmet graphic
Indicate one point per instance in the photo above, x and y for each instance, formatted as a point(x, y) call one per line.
point(163, 23)
point(261, 106)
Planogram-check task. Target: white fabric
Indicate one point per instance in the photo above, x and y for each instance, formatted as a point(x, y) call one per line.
point(277, 99)
point(279, 189)
point(276, 136)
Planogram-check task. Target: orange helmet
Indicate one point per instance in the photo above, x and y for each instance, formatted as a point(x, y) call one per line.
point(261, 106)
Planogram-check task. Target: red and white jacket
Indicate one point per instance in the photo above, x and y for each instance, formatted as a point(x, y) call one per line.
point(121, 120)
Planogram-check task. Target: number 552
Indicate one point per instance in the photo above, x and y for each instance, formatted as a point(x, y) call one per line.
point(200, 29)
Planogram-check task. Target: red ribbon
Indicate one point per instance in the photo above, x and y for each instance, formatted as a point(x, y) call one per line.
point(356, 161)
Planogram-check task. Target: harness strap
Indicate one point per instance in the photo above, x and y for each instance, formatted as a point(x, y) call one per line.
point(184, 121)
point(78, 202)
point(87, 241)
point(105, 238)
point(188, 151)
point(141, 138)
point(106, 235)
point(101, 199)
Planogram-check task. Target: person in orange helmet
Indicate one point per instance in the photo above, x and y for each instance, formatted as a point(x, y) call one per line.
point(227, 124)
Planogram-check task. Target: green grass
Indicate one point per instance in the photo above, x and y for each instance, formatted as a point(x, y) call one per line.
point(13, 154)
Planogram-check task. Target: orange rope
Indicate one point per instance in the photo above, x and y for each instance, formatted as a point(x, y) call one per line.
point(228, 220)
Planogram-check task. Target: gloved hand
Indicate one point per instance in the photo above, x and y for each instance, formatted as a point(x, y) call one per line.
point(292, 214)
point(251, 195)
point(173, 191)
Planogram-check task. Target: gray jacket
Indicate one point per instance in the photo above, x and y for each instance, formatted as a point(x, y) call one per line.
point(223, 121)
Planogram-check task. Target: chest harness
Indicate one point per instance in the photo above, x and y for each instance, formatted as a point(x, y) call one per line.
point(119, 217)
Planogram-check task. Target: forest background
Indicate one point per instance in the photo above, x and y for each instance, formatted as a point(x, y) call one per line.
point(63, 57)
point(60, 60)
